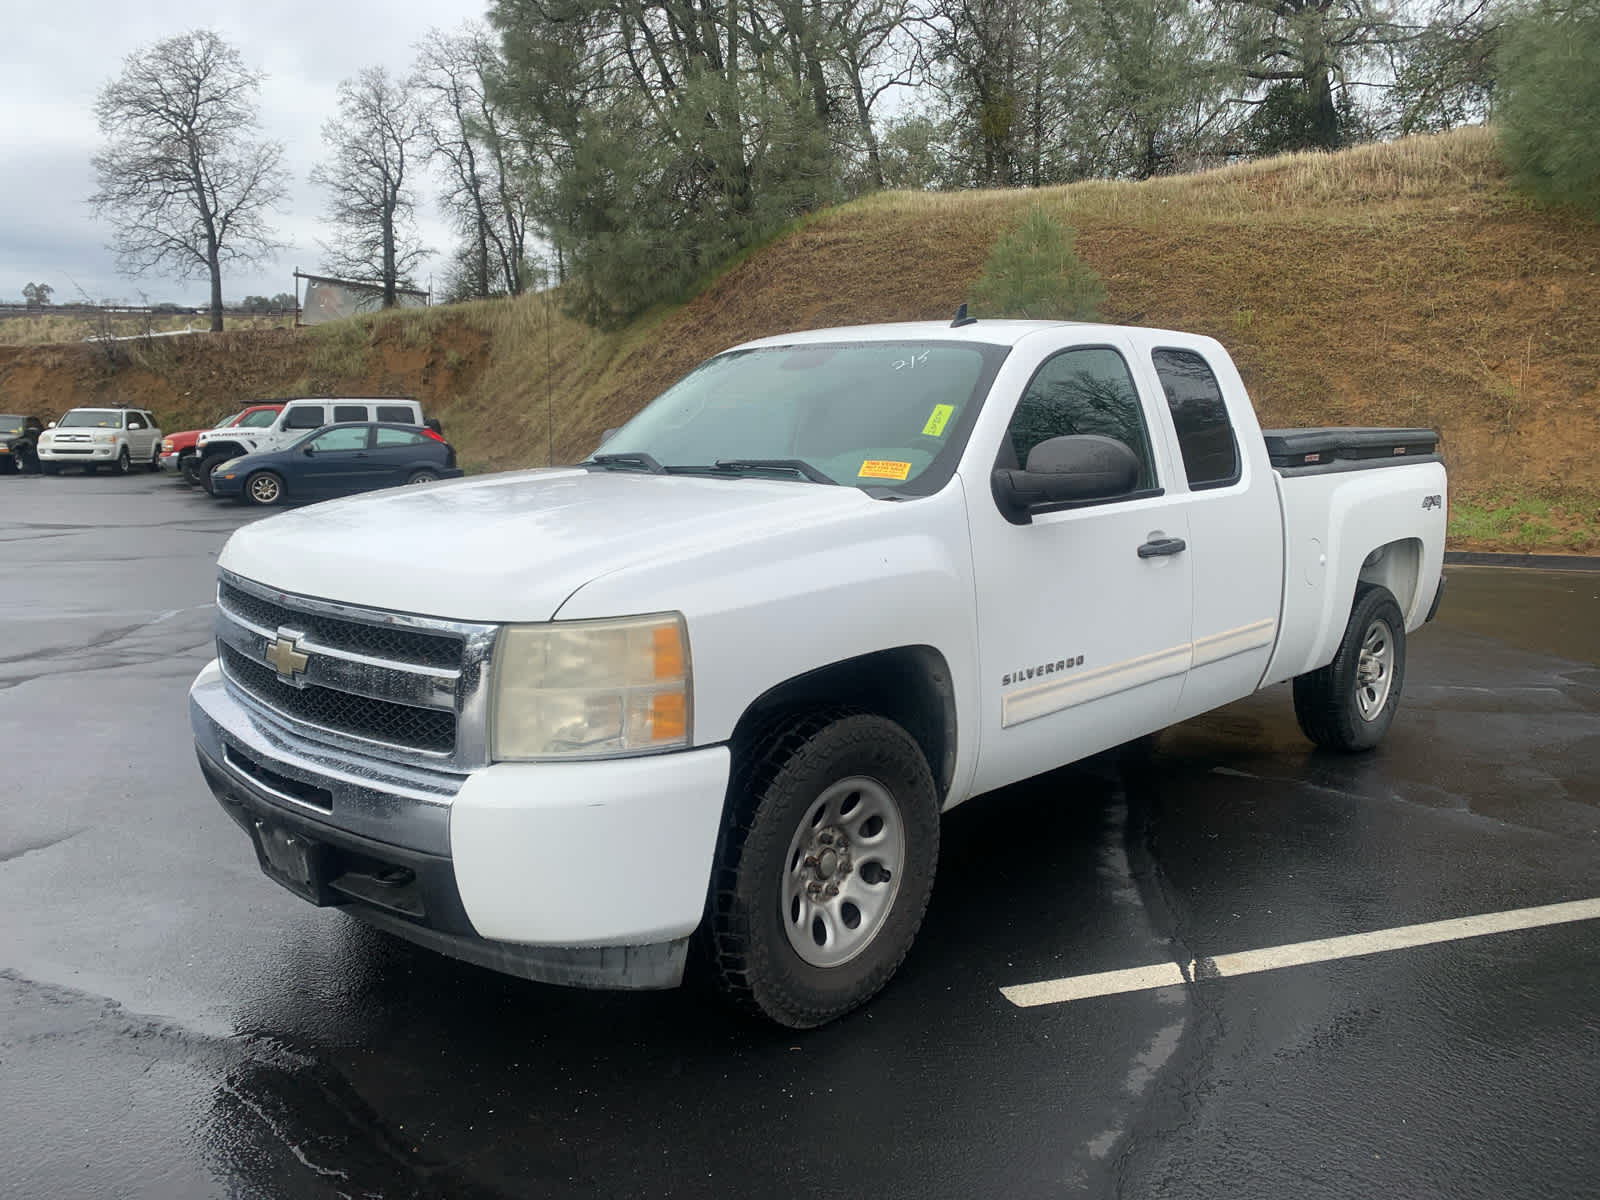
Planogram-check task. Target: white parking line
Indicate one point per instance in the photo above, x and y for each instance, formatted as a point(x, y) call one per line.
point(1272, 958)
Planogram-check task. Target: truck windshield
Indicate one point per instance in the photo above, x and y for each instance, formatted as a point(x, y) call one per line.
point(10, 424)
point(95, 418)
point(869, 414)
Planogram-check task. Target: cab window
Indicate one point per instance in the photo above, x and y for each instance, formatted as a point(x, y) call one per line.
point(259, 420)
point(1081, 391)
point(135, 421)
point(349, 412)
point(1210, 451)
point(349, 437)
point(310, 416)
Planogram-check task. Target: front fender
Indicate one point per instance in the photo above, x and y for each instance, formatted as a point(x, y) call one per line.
point(797, 600)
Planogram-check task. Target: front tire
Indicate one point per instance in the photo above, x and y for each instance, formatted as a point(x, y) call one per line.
point(189, 469)
point(1349, 704)
point(155, 460)
point(263, 489)
point(209, 464)
point(824, 867)
point(123, 464)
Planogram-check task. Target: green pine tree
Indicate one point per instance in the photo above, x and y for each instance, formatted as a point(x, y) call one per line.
point(1033, 272)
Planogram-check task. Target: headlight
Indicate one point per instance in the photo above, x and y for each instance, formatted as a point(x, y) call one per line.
point(166, 445)
point(105, 436)
point(592, 689)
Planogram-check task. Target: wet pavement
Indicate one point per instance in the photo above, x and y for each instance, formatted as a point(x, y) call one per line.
point(172, 1024)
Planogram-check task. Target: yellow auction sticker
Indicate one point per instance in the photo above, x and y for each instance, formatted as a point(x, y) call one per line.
point(879, 468)
point(937, 419)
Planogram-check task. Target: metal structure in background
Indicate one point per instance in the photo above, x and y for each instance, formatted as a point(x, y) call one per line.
point(328, 299)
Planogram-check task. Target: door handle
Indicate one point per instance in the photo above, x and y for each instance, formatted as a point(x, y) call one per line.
point(1160, 547)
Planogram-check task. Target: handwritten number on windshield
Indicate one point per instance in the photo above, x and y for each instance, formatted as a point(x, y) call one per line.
point(916, 360)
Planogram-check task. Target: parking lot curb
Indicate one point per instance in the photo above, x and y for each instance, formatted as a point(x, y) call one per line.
point(1540, 562)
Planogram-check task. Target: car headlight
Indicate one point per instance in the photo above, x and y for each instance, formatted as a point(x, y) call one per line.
point(591, 689)
point(105, 436)
point(166, 445)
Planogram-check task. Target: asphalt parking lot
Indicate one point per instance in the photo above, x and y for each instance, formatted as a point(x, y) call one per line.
point(172, 1024)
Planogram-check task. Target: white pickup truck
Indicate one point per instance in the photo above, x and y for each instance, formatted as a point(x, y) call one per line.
point(714, 686)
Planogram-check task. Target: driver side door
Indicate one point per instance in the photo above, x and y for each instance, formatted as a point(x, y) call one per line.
point(1085, 609)
point(337, 464)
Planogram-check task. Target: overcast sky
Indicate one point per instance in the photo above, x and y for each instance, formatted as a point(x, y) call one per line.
point(55, 55)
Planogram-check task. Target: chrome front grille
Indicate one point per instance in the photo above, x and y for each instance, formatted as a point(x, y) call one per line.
point(412, 689)
point(378, 641)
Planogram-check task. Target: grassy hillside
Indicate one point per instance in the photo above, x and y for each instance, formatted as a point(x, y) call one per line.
point(1402, 284)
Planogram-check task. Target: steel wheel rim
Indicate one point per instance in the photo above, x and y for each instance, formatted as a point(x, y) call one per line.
point(1375, 670)
point(264, 490)
point(422, 477)
point(842, 872)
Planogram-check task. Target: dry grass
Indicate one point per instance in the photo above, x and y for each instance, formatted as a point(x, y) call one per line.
point(1399, 284)
point(45, 330)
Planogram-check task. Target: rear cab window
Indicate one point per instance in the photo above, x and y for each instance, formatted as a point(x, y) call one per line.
point(401, 414)
point(398, 437)
point(1200, 415)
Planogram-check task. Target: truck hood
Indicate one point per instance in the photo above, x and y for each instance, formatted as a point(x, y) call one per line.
point(514, 547)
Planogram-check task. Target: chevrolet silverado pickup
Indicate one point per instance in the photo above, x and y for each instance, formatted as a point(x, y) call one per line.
point(711, 689)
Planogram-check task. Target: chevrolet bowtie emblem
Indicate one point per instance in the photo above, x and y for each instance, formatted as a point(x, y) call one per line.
point(285, 656)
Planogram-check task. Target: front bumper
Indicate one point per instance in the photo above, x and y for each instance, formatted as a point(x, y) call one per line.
point(81, 452)
point(227, 487)
point(592, 874)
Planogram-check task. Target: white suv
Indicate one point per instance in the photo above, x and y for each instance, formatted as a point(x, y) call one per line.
point(299, 417)
point(119, 438)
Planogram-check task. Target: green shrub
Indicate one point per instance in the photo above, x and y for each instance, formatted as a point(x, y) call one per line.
point(1033, 272)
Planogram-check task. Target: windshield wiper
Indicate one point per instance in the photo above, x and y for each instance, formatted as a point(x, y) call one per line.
point(634, 458)
point(798, 465)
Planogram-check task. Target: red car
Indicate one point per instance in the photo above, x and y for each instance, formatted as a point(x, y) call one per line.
point(177, 449)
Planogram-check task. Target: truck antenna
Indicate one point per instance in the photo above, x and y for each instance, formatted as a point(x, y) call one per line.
point(962, 318)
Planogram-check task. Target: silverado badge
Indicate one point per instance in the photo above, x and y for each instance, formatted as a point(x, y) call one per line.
point(285, 656)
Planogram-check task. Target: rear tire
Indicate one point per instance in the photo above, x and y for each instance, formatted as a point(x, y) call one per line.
point(1349, 704)
point(263, 489)
point(824, 867)
point(422, 477)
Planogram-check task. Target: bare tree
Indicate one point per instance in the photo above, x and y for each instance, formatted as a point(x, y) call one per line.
point(486, 169)
point(184, 185)
point(371, 204)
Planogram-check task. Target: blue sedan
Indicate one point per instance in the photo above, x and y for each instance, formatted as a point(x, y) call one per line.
point(338, 460)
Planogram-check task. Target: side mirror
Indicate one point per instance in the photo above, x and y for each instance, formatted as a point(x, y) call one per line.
point(1066, 470)
point(52, 425)
point(309, 451)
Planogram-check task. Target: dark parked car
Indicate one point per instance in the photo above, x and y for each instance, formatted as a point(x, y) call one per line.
point(338, 460)
point(19, 441)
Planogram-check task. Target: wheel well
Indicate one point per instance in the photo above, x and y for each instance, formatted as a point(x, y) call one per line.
point(219, 448)
point(1396, 566)
point(910, 685)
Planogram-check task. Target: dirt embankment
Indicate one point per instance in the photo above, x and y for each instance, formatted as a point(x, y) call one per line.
point(1402, 284)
